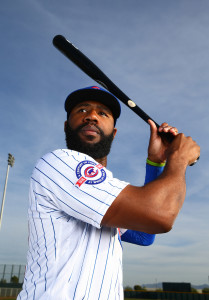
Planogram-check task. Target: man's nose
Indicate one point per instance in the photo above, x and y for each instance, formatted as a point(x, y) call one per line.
point(91, 116)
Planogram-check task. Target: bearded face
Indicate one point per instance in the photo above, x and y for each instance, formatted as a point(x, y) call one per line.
point(95, 150)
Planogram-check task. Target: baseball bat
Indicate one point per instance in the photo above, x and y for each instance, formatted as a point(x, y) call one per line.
point(88, 67)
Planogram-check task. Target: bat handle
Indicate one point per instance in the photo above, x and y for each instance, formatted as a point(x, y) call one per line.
point(169, 138)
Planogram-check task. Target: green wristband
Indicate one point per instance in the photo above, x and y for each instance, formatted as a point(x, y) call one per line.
point(155, 164)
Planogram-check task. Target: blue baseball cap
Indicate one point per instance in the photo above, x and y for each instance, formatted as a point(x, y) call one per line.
point(93, 93)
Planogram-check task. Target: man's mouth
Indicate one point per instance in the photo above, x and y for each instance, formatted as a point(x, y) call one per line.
point(90, 130)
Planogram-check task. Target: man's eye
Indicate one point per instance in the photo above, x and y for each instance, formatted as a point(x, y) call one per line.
point(82, 110)
point(102, 113)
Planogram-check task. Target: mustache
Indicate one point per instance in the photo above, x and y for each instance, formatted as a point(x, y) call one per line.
point(101, 132)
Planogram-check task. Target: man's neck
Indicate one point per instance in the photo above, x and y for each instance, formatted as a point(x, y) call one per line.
point(102, 161)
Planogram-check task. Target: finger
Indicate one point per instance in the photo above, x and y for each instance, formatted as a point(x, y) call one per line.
point(152, 123)
point(163, 127)
point(167, 128)
point(173, 130)
point(153, 127)
point(164, 124)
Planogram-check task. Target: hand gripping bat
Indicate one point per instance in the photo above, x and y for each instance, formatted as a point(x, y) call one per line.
point(88, 67)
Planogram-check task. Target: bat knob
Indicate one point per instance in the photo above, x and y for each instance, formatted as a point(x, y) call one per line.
point(192, 164)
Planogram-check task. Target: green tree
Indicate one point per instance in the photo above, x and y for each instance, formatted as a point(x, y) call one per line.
point(128, 288)
point(3, 281)
point(14, 279)
point(138, 287)
point(194, 290)
point(205, 291)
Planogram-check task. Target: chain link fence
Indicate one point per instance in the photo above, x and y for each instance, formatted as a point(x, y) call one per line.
point(12, 273)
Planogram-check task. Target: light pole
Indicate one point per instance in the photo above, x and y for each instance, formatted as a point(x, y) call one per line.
point(11, 161)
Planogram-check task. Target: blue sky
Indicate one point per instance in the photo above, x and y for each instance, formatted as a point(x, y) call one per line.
point(157, 52)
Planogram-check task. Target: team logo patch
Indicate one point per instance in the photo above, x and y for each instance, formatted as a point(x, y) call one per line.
point(89, 172)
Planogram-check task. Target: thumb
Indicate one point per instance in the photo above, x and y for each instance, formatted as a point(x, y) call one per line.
point(153, 128)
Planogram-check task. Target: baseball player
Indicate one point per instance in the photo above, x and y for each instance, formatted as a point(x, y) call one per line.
point(78, 210)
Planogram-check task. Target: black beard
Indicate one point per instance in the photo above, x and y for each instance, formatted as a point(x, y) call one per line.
point(97, 150)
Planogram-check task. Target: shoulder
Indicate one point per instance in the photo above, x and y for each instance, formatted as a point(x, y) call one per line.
point(67, 158)
point(56, 164)
point(62, 154)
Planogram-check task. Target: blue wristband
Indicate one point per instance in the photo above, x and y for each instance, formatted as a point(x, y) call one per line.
point(155, 164)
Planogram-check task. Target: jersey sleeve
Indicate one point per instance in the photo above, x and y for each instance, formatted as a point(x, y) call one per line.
point(72, 184)
point(152, 172)
point(138, 237)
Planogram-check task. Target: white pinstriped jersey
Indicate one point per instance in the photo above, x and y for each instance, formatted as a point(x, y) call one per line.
point(70, 256)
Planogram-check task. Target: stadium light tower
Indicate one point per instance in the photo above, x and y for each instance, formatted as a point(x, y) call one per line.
point(11, 161)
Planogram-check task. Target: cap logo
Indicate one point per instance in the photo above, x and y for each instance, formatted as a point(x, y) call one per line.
point(95, 87)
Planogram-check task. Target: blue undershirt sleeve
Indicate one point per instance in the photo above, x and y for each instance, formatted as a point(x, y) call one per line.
point(138, 237)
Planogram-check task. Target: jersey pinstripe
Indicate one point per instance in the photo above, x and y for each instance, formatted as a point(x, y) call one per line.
point(70, 256)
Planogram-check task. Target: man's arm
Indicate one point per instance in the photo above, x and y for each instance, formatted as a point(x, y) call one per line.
point(153, 170)
point(154, 207)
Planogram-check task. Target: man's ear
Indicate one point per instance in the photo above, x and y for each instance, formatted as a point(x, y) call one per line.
point(114, 132)
point(65, 125)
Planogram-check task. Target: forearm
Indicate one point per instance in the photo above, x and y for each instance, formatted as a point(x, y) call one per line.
point(153, 207)
point(166, 195)
point(153, 170)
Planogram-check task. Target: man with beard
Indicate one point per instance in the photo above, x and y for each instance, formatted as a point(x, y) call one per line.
point(77, 206)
